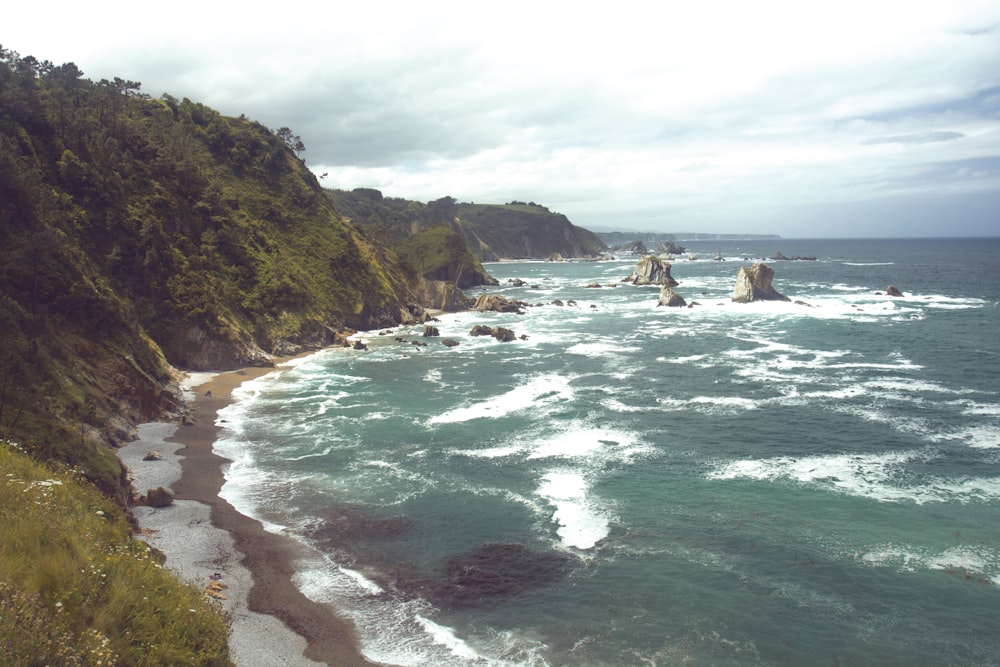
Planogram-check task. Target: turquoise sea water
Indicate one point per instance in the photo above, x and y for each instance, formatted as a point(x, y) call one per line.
point(760, 484)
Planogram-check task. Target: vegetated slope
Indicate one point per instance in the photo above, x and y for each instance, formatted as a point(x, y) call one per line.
point(136, 232)
point(77, 589)
point(431, 241)
point(516, 230)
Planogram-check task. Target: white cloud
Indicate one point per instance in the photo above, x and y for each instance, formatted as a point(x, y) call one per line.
point(704, 116)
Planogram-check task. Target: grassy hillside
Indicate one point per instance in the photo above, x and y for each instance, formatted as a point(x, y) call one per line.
point(77, 589)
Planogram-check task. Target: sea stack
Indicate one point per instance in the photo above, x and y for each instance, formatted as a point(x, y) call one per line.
point(754, 284)
point(651, 270)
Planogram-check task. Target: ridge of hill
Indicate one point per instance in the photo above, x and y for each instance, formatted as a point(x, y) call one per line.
point(492, 232)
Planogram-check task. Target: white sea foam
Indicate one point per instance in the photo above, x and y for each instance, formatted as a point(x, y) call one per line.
point(581, 524)
point(582, 441)
point(975, 560)
point(446, 637)
point(881, 477)
point(600, 349)
point(539, 390)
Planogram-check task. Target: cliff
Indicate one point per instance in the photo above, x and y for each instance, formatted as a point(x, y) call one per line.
point(491, 232)
point(140, 233)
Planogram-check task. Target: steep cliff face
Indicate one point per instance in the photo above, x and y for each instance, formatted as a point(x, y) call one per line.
point(528, 231)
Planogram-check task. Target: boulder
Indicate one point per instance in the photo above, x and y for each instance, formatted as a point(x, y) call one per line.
point(754, 284)
point(593, 285)
point(153, 455)
point(449, 342)
point(670, 298)
point(359, 345)
point(891, 290)
point(502, 334)
point(431, 331)
point(499, 304)
point(651, 270)
point(481, 330)
point(516, 282)
point(159, 497)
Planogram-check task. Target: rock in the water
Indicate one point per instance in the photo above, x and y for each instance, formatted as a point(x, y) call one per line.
point(153, 455)
point(359, 345)
point(502, 334)
point(431, 331)
point(651, 270)
point(754, 284)
point(497, 303)
point(159, 497)
point(670, 298)
point(481, 330)
point(449, 342)
point(891, 290)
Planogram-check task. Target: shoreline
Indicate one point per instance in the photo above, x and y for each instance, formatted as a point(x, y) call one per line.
point(204, 538)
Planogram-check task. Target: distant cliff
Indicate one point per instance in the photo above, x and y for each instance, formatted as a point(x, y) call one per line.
point(515, 230)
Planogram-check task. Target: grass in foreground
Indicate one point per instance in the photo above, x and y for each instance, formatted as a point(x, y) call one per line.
point(76, 588)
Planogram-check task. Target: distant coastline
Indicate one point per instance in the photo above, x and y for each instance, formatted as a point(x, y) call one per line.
point(617, 238)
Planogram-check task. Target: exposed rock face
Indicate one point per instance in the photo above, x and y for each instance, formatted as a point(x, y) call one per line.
point(197, 349)
point(891, 290)
point(651, 270)
point(499, 304)
point(754, 284)
point(670, 298)
point(442, 295)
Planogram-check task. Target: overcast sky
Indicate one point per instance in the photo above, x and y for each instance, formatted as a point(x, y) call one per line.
point(805, 119)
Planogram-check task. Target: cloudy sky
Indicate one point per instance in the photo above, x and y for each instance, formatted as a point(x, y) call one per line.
point(805, 119)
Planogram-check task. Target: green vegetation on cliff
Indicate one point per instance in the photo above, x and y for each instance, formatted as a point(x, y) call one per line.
point(136, 232)
point(516, 230)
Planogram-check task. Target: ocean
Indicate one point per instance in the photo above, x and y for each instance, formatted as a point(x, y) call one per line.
point(774, 483)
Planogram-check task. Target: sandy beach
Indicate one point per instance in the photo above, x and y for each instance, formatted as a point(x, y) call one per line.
point(205, 539)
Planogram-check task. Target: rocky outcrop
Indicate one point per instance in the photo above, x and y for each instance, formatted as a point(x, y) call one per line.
point(196, 349)
point(651, 270)
point(754, 284)
point(669, 248)
point(431, 331)
point(891, 290)
point(498, 304)
point(670, 298)
point(442, 295)
point(779, 256)
point(502, 334)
